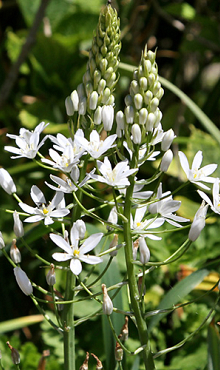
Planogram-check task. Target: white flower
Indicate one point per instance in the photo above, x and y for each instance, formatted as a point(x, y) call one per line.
point(6, 182)
point(72, 251)
point(215, 206)
point(64, 162)
point(96, 147)
point(168, 138)
point(157, 136)
point(27, 142)
point(136, 133)
point(142, 226)
point(43, 211)
point(197, 174)
point(166, 207)
point(67, 185)
point(114, 177)
point(15, 254)
point(198, 222)
point(18, 226)
point(23, 281)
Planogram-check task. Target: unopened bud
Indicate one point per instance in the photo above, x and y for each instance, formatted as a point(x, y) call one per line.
point(23, 281)
point(143, 83)
point(148, 96)
point(69, 106)
point(81, 227)
point(167, 140)
point(18, 226)
point(150, 122)
point(2, 243)
point(101, 86)
point(138, 101)
point(136, 133)
point(198, 223)
point(154, 104)
point(144, 251)
point(113, 244)
point(143, 113)
point(93, 100)
point(75, 100)
point(135, 249)
point(99, 365)
point(107, 117)
point(166, 160)
point(15, 253)
point(129, 114)
point(120, 119)
point(98, 116)
point(112, 218)
point(51, 277)
point(6, 182)
point(107, 305)
point(134, 88)
point(85, 363)
point(128, 100)
point(82, 106)
point(14, 354)
point(106, 95)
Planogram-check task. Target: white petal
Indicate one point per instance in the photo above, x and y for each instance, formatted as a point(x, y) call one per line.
point(92, 260)
point(37, 195)
point(90, 243)
point(34, 218)
point(184, 163)
point(58, 240)
point(75, 266)
point(26, 208)
point(197, 161)
point(61, 257)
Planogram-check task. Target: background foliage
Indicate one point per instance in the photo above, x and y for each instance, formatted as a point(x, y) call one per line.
point(187, 35)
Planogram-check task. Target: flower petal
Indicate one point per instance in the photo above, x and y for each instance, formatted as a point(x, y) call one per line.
point(61, 257)
point(92, 260)
point(75, 266)
point(61, 242)
point(90, 243)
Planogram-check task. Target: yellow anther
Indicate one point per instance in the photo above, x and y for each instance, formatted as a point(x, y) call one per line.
point(76, 252)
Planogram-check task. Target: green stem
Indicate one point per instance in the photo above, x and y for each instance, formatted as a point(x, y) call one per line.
point(68, 323)
point(132, 282)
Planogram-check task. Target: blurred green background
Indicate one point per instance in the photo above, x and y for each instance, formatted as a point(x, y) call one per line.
point(187, 37)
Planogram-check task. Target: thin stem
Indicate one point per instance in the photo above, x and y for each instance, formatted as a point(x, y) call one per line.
point(134, 293)
point(68, 323)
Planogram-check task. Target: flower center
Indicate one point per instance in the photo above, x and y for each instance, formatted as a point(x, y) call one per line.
point(76, 252)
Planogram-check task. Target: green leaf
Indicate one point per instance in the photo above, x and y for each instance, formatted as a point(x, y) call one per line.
point(213, 348)
point(177, 293)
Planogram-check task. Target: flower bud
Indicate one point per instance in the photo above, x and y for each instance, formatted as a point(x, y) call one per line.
point(128, 100)
point(135, 246)
point(69, 106)
point(198, 222)
point(107, 117)
point(134, 88)
point(98, 116)
point(120, 119)
point(107, 305)
point(81, 91)
point(106, 95)
point(136, 133)
point(144, 251)
point(138, 101)
point(112, 218)
point(87, 77)
point(75, 100)
point(2, 243)
point(111, 100)
point(151, 79)
point(89, 88)
point(81, 227)
point(93, 100)
point(113, 244)
point(147, 66)
point(15, 253)
point(82, 106)
point(143, 113)
point(148, 96)
point(6, 182)
point(51, 277)
point(154, 104)
point(75, 173)
point(143, 83)
point(150, 122)
point(18, 226)
point(101, 86)
point(14, 354)
point(166, 160)
point(167, 140)
point(23, 281)
point(129, 114)
point(85, 363)
point(97, 77)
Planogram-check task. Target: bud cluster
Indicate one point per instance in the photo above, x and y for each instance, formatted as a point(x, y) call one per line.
point(142, 115)
point(94, 95)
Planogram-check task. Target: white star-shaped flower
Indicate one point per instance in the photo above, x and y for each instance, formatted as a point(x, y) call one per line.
point(27, 142)
point(96, 147)
point(114, 177)
point(63, 162)
point(43, 211)
point(166, 207)
point(215, 206)
point(197, 174)
point(141, 226)
point(73, 252)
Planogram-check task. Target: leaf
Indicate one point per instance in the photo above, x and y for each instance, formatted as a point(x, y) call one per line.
point(178, 292)
point(213, 348)
point(19, 323)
